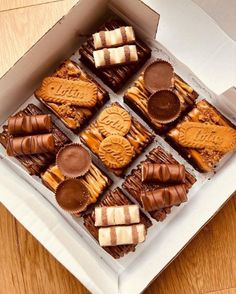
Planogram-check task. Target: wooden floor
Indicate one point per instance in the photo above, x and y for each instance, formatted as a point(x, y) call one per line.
point(207, 265)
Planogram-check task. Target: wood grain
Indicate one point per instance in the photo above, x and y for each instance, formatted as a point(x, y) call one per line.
point(8, 5)
point(207, 264)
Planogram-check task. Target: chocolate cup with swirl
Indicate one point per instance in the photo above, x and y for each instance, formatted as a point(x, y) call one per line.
point(158, 75)
point(73, 160)
point(164, 106)
point(73, 196)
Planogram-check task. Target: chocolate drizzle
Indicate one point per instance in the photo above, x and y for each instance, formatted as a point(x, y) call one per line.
point(133, 183)
point(113, 198)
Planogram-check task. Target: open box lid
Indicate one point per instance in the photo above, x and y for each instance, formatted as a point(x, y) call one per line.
point(50, 50)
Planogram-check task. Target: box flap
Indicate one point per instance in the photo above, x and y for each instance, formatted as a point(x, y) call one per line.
point(138, 13)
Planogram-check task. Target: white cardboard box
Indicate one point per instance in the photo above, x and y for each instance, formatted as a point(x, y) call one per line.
point(33, 205)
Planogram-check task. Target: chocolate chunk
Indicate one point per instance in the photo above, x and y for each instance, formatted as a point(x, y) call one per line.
point(158, 75)
point(164, 197)
point(31, 145)
point(26, 125)
point(164, 106)
point(73, 160)
point(163, 173)
point(73, 196)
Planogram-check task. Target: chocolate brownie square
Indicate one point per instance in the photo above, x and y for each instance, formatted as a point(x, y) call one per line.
point(138, 138)
point(73, 116)
point(114, 198)
point(95, 180)
point(204, 160)
point(116, 76)
point(133, 182)
point(36, 163)
point(137, 97)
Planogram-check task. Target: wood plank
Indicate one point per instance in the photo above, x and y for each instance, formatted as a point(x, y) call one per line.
point(26, 267)
point(208, 263)
point(17, 33)
point(7, 5)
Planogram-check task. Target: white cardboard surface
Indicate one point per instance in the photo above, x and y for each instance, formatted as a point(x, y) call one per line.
point(57, 232)
point(195, 39)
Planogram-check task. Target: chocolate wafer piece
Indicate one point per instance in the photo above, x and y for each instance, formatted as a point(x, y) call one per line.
point(36, 163)
point(122, 235)
point(114, 56)
point(116, 76)
point(163, 173)
point(31, 145)
point(120, 36)
point(134, 185)
point(32, 124)
point(116, 215)
point(114, 198)
point(164, 197)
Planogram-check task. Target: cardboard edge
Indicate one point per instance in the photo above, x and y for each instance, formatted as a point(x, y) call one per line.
point(63, 241)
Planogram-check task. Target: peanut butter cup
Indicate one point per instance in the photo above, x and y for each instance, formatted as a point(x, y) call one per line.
point(158, 75)
point(73, 196)
point(73, 160)
point(164, 106)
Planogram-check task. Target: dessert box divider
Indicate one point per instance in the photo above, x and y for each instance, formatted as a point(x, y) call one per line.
point(35, 206)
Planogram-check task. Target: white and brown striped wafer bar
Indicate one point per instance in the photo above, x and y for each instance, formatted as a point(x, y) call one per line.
point(114, 56)
point(116, 215)
point(114, 38)
point(122, 235)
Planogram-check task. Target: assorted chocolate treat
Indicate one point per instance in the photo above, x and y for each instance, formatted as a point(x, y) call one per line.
point(198, 131)
point(76, 181)
point(158, 183)
point(72, 95)
point(203, 136)
point(95, 180)
point(116, 138)
point(31, 120)
point(108, 218)
point(105, 221)
point(154, 96)
point(126, 59)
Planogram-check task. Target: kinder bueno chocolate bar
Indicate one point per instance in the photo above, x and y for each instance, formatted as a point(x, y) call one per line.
point(116, 215)
point(114, 56)
point(120, 36)
point(121, 235)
